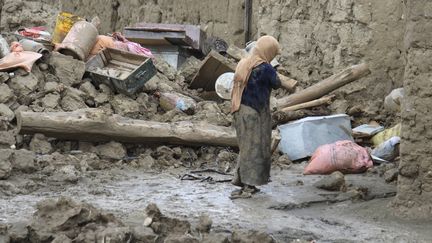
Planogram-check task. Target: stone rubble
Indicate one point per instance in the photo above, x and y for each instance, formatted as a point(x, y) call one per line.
point(65, 220)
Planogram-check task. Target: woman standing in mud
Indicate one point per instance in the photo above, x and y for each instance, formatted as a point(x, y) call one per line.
point(253, 80)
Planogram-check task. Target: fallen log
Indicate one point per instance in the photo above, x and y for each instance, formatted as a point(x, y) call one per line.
point(310, 104)
point(326, 86)
point(281, 117)
point(94, 125)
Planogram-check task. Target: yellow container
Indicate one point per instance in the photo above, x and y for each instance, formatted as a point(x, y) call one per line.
point(386, 135)
point(64, 23)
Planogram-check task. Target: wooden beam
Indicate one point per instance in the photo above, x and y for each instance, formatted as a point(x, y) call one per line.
point(95, 125)
point(326, 86)
point(310, 104)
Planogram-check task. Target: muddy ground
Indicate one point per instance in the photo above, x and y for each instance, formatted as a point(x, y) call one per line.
point(124, 179)
point(289, 208)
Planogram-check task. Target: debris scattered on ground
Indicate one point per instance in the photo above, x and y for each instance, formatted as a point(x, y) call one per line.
point(385, 135)
point(170, 96)
point(111, 150)
point(296, 136)
point(393, 101)
point(391, 175)
point(333, 182)
point(5, 165)
point(57, 218)
point(367, 130)
point(388, 150)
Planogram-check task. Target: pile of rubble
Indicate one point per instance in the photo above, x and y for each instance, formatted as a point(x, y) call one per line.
point(80, 92)
point(63, 220)
point(56, 86)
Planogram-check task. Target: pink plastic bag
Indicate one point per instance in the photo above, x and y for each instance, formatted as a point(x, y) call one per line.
point(19, 58)
point(344, 156)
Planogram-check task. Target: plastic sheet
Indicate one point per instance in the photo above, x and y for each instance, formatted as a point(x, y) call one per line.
point(301, 138)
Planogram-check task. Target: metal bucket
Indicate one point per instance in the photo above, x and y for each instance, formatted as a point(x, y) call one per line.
point(79, 41)
point(224, 85)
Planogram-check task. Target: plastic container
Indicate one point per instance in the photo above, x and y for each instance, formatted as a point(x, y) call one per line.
point(171, 101)
point(224, 85)
point(64, 24)
point(4, 47)
point(79, 41)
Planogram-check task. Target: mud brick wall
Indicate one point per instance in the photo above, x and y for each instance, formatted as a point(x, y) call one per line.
point(414, 198)
point(16, 13)
point(222, 18)
point(323, 37)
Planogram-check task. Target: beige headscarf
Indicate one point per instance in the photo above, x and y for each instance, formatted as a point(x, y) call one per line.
point(266, 48)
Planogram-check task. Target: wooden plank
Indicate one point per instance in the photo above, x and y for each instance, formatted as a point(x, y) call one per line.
point(310, 104)
point(146, 37)
point(213, 66)
point(195, 37)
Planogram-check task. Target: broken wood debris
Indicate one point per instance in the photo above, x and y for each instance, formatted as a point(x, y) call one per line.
point(162, 34)
point(212, 67)
point(325, 86)
point(310, 104)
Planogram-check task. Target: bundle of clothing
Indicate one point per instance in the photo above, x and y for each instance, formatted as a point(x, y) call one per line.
point(118, 41)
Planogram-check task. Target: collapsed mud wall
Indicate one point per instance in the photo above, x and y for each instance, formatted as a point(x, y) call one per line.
point(415, 170)
point(220, 18)
point(321, 37)
point(16, 13)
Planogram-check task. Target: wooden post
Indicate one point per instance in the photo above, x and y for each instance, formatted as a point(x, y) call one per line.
point(326, 86)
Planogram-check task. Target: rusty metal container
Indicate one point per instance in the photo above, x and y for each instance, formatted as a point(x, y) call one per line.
point(79, 41)
point(123, 71)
